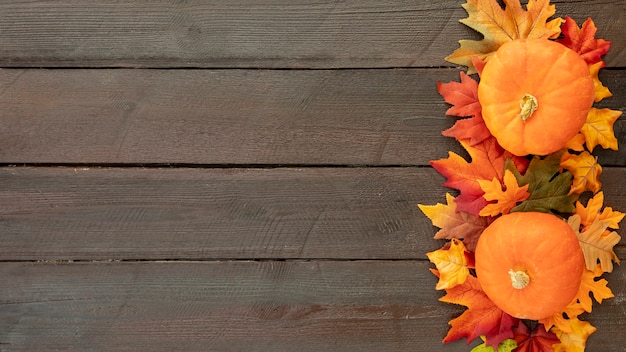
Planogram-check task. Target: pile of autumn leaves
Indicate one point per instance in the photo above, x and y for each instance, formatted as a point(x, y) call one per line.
point(496, 182)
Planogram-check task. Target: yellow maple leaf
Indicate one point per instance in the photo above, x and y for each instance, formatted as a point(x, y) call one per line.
point(592, 212)
point(500, 25)
point(453, 223)
point(561, 320)
point(576, 143)
point(601, 91)
point(586, 171)
point(505, 199)
point(596, 243)
point(598, 129)
point(451, 264)
point(576, 340)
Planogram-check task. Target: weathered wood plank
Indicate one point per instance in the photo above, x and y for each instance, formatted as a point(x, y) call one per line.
point(339, 117)
point(116, 214)
point(236, 306)
point(243, 33)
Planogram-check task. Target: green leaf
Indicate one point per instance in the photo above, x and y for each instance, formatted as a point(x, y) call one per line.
point(549, 189)
point(507, 345)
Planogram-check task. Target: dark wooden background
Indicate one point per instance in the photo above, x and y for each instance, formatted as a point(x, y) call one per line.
point(239, 175)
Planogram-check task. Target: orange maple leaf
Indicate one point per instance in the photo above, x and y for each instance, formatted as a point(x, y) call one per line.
point(600, 91)
point(586, 171)
point(592, 212)
point(488, 160)
point(463, 97)
point(500, 25)
point(576, 340)
point(598, 129)
point(582, 40)
point(455, 224)
point(505, 199)
point(451, 264)
point(596, 243)
point(482, 317)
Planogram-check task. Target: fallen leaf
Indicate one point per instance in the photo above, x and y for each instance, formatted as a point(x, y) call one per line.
point(549, 189)
point(537, 340)
point(577, 339)
point(592, 212)
point(482, 316)
point(596, 243)
point(451, 264)
point(500, 25)
point(600, 91)
point(582, 40)
point(598, 129)
point(586, 171)
point(487, 162)
point(455, 224)
point(577, 143)
point(588, 285)
point(507, 345)
point(505, 199)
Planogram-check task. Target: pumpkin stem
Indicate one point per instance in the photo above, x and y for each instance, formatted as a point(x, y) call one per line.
point(519, 279)
point(528, 105)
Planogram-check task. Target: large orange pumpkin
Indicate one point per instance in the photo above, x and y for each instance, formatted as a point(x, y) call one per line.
point(529, 264)
point(535, 95)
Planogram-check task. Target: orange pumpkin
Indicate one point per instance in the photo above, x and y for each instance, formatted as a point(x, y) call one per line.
point(535, 95)
point(529, 264)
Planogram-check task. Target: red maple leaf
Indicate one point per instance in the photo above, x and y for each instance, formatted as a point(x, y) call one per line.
point(482, 316)
point(582, 40)
point(463, 97)
point(538, 340)
point(487, 163)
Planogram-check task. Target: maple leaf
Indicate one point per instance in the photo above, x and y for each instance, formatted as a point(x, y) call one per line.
point(500, 25)
point(549, 189)
point(506, 199)
point(507, 345)
point(537, 340)
point(600, 91)
point(596, 243)
point(582, 40)
point(598, 128)
point(576, 143)
point(487, 162)
point(576, 340)
point(463, 97)
point(455, 224)
point(586, 171)
point(592, 212)
point(482, 316)
point(451, 265)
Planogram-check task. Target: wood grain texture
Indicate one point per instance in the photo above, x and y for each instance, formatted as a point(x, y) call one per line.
point(243, 306)
point(151, 214)
point(244, 33)
point(314, 117)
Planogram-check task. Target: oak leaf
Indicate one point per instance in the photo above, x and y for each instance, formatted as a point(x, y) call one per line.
point(592, 212)
point(487, 162)
point(582, 40)
point(596, 243)
point(482, 316)
point(451, 264)
point(586, 171)
point(500, 25)
point(505, 199)
point(588, 285)
point(576, 340)
point(455, 224)
point(537, 340)
point(549, 189)
point(598, 128)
